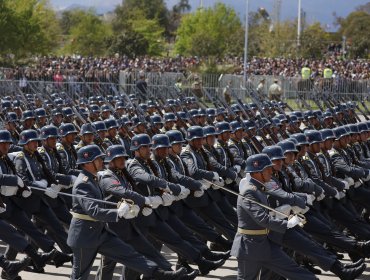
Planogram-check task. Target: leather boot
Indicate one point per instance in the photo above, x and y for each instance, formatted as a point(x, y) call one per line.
point(205, 266)
point(59, 258)
point(214, 256)
point(12, 268)
point(161, 274)
point(347, 273)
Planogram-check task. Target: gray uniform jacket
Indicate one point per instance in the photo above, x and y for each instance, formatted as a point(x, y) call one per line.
point(343, 166)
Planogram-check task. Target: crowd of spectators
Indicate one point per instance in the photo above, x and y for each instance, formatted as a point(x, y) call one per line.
point(76, 69)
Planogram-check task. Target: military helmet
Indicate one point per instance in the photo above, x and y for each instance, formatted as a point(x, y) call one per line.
point(28, 114)
point(111, 123)
point(88, 154)
point(222, 127)
point(235, 126)
point(248, 125)
point(11, 117)
point(354, 128)
point(362, 127)
point(56, 112)
point(257, 163)
point(160, 141)
point(115, 151)
point(209, 130)
point(5, 136)
point(136, 121)
point(313, 136)
point(100, 126)
point(27, 136)
point(67, 111)
point(67, 128)
point(40, 112)
point(194, 132)
point(183, 115)
point(156, 119)
point(274, 152)
point(327, 134)
point(211, 112)
point(301, 138)
point(49, 131)
point(175, 137)
point(87, 128)
point(140, 140)
point(288, 146)
point(340, 132)
point(169, 117)
point(327, 115)
point(105, 108)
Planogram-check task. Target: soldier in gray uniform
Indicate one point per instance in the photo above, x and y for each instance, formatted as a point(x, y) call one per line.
point(86, 135)
point(66, 149)
point(252, 246)
point(89, 233)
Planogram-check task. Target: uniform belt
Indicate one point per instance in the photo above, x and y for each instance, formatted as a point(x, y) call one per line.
point(83, 217)
point(253, 231)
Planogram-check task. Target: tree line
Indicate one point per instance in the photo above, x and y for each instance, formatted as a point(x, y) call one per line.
point(148, 27)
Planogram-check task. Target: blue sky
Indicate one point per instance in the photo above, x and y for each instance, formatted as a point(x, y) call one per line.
point(317, 10)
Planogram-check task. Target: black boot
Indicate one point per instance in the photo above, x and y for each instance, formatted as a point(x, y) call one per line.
point(213, 256)
point(38, 260)
point(59, 258)
point(354, 264)
point(191, 275)
point(221, 244)
point(12, 268)
point(363, 248)
point(311, 268)
point(169, 275)
point(205, 266)
point(347, 273)
point(181, 262)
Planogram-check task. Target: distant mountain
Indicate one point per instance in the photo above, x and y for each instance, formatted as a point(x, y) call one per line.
point(316, 10)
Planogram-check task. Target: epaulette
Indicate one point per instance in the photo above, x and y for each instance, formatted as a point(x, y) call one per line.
point(106, 139)
point(41, 150)
point(60, 147)
point(85, 179)
point(218, 145)
point(332, 152)
point(20, 155)
point(305, 157)
point(245, 185)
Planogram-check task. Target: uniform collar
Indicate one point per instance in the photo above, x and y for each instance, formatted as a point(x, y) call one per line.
point(90, 175)
point(258, 184)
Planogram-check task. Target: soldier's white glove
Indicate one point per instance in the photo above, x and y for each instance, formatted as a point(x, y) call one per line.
point(167, 199)
point(124, 211)
point(357, 184)
point(2, 208)
point(310, 198)
point(146, 211)
point(237, 168)
point(9, 190)
point(237, 180)
point(228, 181)
point(134, 209)
point(26, 192)
point(321, 197)
point(299, 210)
point(53, 190)
point(346, 185)
point(285, 209)
point(367, 178)
point(205, 184)
point(198, 193)
point(350, 181)
point(293, 221)
point(183, 193)
point(42, 183)
point(216, 177)
point(154, 201)
point(20, 182)
point(218, 184)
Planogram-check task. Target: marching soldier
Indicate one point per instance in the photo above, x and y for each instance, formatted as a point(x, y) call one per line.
point(66, 148)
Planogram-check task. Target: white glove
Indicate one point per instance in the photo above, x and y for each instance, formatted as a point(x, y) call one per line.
point(237, 168)
point(299, 210)
point(134, 209)
point(154, 201)
point(216, 177)
point(346, 184)
point(123, 210)
point(366, 178)
point(342, 195)
point(219, 183)
point(9, 190)
point(42, 183)
point(350, 181)
point(293, 221)
point(20, 182)
point(198, 193)
point(321, 197)
point(337, 195)
point(167, 199)
point(357, 184)
point(2, 208)
point(26, 192)
point(285, 209)
point(205, 184)
point(237, 180)
point(183, 193)
point(310, 198)
point(146, 211)
point(228, 181)
point(53, 190)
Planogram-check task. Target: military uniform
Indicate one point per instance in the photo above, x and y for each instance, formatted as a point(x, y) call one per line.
point(68, 156)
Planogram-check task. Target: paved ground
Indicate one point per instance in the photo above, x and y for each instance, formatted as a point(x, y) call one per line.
point(227, 272)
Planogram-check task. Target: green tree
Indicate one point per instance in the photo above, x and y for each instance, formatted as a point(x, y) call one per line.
point(129, 43)
point(69, 19)
point(88, 36)
point(356, 27)
point(314, 41)
point(210, 32)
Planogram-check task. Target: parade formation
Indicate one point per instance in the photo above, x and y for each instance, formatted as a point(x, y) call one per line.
point(119, 175)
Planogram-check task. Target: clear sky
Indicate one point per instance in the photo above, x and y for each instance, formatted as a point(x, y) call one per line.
point(316, 10)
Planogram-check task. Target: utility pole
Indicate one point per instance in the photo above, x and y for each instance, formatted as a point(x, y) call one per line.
point(246, 41)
